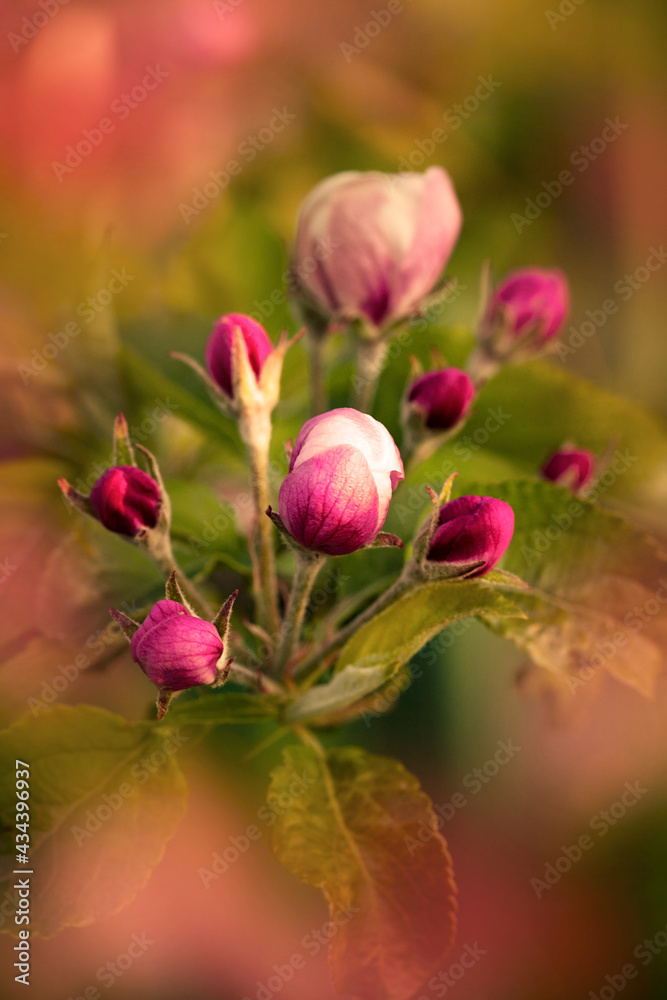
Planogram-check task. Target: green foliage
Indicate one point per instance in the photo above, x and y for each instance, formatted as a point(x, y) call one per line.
point(223, 708)
point(373, 655)
point(105, 797)
point(519, 418)
point(589, 569)
point(347, 687)
point(398, 632)
point(547, 406)
point(359, 828)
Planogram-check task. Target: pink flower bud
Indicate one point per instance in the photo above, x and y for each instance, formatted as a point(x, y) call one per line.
point(219, 348)
point(471, 529)
point(176, 650)
point(373, 245)
point(573, 467)
point(343, 470)
point(444, 397)
point(126, 500)
point(530, 302)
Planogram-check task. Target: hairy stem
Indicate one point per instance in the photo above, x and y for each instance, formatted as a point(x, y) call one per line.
point(308, 566)
point(255, 679)
point(370, 359)
point(255, 430)
point(404, 582)
point(318, 390)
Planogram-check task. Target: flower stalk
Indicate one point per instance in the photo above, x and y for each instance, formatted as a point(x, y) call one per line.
point(307, 566)
point(255, 429)
point(371, 355)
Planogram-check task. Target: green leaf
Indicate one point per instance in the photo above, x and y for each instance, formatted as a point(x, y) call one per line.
point(359, 828)
point(398, 632)
point(105, 796)
point(379, 648)
point(590, 571)
point(523, 415)
point(546, 406)
point(560, 538)
point(224, 708)
point(347, 687)
point(591, 637)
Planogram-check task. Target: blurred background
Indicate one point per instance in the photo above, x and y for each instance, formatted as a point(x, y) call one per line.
point(153, 156)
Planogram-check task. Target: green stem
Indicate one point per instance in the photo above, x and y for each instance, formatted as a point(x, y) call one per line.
point(318, 390)
point(309, 739)
point(482, 366)
point(307, 567)
point(164, 557)
point(370, 359)
point(404, 582)
point(255, 679)
point(255, 429)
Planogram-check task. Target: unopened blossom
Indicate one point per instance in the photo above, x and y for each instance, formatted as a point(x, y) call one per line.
point(219, 348)
point(343, 470)
point(442, 398)
point(372, 246)
point(472, 529)
point(126, 500)
point(175, 649)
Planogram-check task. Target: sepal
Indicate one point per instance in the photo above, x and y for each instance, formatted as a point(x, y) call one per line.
point(222, 619)
point(269, 377)
point(127, 625)
point(173, 592)
point(123, 452)
point(75, 499)
point(156, 538)
point(385, 539)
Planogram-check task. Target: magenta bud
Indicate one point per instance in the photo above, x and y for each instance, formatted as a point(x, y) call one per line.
point(219, 348)
point(175, 649)
point(126, 500)
point(570, 467)
point(444, 397)
point(343, 470)
point(374, 245)
point(530, 302)
point(472, 529)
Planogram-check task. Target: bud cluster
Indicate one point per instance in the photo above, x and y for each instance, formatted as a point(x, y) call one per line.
point(388, 239)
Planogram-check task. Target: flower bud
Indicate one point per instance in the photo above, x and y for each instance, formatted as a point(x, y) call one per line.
point(572, 468)
point(530, 305)
point(472, 529)
point(343, 470)
point(219, 348)
point(175, 649)
point(373, 245)
point(443, 397)
point(126, 500)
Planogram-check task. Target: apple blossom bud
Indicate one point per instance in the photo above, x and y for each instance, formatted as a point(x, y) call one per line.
point(569, 467)
point(126, 500)
point(472, 529)
point(530, 305)
point(343, 470)
point(373, 245)
point(175, 649)
point(442, 397)
point(219, 348)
